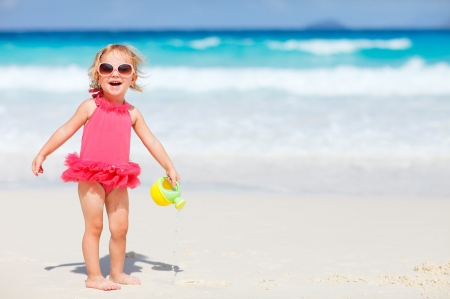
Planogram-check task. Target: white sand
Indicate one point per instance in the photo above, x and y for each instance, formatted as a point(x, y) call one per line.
point(234, 245)
point(363, 177)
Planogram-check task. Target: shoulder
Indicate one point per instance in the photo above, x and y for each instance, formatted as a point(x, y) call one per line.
point(134, 113)
point(88, 106)
point(89, 103)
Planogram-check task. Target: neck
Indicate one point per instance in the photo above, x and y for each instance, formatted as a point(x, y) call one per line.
point(117, 99)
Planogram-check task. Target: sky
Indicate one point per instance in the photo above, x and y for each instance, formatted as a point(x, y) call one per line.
point(220, 14)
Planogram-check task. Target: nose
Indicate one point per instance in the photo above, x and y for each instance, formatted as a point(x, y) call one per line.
point(115, 73)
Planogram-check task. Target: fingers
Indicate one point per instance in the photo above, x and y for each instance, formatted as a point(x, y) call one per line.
point(36, 170)
point(36, 167)
point(173, 182)
point(169, 179)
point(173, 178)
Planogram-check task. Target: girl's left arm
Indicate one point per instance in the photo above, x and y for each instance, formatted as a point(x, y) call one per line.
point(153, 145)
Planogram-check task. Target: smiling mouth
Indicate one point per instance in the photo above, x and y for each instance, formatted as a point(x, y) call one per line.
point(115, 83)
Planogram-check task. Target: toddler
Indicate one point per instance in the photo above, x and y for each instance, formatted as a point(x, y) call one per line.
point(103, 170)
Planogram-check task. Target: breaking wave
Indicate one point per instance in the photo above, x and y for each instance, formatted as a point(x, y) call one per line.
point(338, 46)
point(411, 79)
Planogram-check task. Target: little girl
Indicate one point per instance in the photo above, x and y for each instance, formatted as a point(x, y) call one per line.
point(103, 170)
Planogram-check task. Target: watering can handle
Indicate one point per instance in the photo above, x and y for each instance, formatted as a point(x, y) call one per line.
point(165, 178)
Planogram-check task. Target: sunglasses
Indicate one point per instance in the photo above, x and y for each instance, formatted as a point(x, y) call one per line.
point(106, 69)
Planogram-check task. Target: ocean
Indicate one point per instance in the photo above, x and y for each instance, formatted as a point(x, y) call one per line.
point(237, 94)
point(245, 93)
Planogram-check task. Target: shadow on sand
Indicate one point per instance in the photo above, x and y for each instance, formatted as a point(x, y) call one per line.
point(128, 268)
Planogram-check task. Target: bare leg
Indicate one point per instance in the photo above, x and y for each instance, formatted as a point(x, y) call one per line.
point(117, 209)
point(92, 199)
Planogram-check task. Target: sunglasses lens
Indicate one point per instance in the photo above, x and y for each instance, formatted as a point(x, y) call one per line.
point(105, 69)
point(125, 69)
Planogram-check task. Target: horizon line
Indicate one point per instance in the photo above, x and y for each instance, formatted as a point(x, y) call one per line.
point(217, 29)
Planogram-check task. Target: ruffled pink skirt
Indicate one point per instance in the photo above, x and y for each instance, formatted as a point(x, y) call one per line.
point(115, 176)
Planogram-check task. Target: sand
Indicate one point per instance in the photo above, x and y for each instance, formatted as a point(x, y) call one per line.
point(317, 176)
point(234, 244)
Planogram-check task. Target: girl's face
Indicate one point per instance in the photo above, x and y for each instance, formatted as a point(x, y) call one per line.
point(115, 85)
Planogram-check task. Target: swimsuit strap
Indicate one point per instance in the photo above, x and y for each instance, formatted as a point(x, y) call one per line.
point(107, 105)
point(96, 92)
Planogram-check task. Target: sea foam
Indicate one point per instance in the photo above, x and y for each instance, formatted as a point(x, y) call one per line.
point(414, 78)
point(197, 44)
point(338, 46)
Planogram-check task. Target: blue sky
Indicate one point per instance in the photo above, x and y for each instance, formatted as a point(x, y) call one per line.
point(224, 14)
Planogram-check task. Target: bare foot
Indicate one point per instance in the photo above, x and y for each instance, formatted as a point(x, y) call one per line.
point(102, 283)
point(123, 278)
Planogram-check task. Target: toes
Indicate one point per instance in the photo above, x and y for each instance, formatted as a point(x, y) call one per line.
point(103, 285)
point(125, 279)
point(113, 287)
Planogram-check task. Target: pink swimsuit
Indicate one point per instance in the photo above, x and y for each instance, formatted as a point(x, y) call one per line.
point(105, 149)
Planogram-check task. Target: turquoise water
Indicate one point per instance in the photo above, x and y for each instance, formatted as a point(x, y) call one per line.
point(281, 49)
point(245, 93)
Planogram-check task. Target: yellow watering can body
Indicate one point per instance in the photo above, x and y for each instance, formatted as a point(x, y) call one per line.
point(164, 194)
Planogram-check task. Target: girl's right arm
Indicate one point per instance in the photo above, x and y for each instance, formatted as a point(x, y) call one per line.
point(61, 135)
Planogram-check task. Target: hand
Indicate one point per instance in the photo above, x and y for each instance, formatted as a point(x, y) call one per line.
point(173, 177)
point(36, 166)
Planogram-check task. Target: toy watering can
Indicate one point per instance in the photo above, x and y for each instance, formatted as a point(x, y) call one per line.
point(164, 194)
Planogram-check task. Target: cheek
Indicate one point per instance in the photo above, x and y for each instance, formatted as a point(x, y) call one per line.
point(101, 80)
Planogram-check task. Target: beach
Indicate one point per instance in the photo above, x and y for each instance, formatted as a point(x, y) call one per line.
point(315, 164)
point(243, 245)
point(237, 238)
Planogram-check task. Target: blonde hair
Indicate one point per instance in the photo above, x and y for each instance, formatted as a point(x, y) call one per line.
point(136, 60)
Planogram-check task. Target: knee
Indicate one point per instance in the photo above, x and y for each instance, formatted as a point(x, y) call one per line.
point(95, 228)
point(119, 230)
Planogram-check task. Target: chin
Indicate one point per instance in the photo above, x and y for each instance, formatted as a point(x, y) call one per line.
point(115, 92)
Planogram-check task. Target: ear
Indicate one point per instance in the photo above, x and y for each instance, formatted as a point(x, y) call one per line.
point(134, 78)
